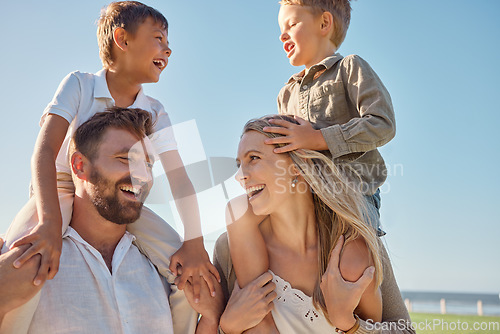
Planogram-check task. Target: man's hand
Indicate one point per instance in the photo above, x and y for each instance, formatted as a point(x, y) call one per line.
point(46, 240)
point(295, 136)
point(16, 286)
point(248, 306)
point(342, 297)
point(195, 263)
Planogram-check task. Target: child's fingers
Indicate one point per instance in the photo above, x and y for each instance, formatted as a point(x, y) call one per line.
point(1, 245)
point(275, 129)
point(181, 281)
point(53, 269)
point(41, 276)
point(214, 272)
point(196, 289)
point(210, 280)
point(27, 239)
point(285, 149)
point(281, 122)
point(277, 140)
point(174, 262)
point(300, 120)
point(30, 252)
point(188, 290)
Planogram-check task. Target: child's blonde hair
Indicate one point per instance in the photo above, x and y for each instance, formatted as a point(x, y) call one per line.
point(340, 10)
point(122, 14)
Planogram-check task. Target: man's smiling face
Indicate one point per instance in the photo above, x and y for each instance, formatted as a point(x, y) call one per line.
point(120, 176)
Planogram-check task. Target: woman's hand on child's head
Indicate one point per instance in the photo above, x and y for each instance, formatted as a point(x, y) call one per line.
point(46, 240)
point(342, 297)
point(195, 263)
point(295, 136)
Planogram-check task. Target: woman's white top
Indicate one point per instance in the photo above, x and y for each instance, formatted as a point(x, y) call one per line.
point(294, 311)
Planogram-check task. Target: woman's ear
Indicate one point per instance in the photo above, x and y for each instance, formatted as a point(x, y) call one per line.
point(79, 165)
point(120, 38)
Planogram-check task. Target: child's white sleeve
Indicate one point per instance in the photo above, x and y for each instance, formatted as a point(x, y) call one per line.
point(66, 100)
point(163, 138)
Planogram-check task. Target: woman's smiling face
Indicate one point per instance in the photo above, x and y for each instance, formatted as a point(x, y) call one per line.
point(266, 176)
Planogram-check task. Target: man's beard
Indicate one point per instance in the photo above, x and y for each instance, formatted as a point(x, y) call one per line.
point(106, 199)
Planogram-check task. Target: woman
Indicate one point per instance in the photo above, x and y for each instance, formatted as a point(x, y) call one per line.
point(309, 208)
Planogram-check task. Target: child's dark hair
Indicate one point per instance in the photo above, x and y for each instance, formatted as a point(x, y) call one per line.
point(123, 14)
point(340, 10)
point(88, 136)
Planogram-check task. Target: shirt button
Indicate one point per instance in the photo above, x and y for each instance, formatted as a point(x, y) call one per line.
point(304, 87)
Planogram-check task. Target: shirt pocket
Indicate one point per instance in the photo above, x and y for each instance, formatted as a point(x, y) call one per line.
point(328, 103)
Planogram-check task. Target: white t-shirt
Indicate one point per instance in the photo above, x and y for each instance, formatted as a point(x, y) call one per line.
point(81, 95)
point(85, 297)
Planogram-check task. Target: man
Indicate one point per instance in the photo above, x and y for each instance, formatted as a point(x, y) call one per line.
point(104, 284)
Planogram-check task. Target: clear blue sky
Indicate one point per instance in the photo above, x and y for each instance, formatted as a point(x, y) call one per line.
point(439, 60)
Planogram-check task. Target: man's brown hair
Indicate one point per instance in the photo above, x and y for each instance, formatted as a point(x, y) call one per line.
point(122, 14)
point(88, 136)
point(340, 10)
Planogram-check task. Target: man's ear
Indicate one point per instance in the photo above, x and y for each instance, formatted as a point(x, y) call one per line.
point(326, 22)
point(79, 165)
point(120, 37)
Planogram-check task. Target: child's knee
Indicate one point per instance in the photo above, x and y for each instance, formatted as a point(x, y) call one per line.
point(354, 260)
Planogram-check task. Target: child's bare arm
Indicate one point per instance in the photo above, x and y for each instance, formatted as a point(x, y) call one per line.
point(354, 260)
point(247, 246)
point(192, 255)
point(296, 136)
point(45, 238)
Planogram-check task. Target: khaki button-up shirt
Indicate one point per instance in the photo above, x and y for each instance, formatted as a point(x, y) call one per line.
point(346, 99)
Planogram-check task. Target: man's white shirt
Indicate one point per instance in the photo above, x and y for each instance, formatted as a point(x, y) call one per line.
point(85, 297)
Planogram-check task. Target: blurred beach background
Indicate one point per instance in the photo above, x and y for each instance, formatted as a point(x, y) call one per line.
point(438, 59)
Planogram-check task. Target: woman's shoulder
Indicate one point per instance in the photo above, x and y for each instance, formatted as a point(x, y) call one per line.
point(222, 256)
point(222, 244)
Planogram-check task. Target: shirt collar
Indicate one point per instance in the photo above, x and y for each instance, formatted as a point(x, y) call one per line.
point(142, 101)
point(326, 64)
point(101, 90)
point(119, 252)
point(73, 234)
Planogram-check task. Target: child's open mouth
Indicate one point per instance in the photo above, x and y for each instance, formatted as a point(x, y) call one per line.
point(289, 47)
point(160, 63)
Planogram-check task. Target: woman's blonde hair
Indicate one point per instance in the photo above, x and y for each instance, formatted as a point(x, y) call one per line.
point(340, 208)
